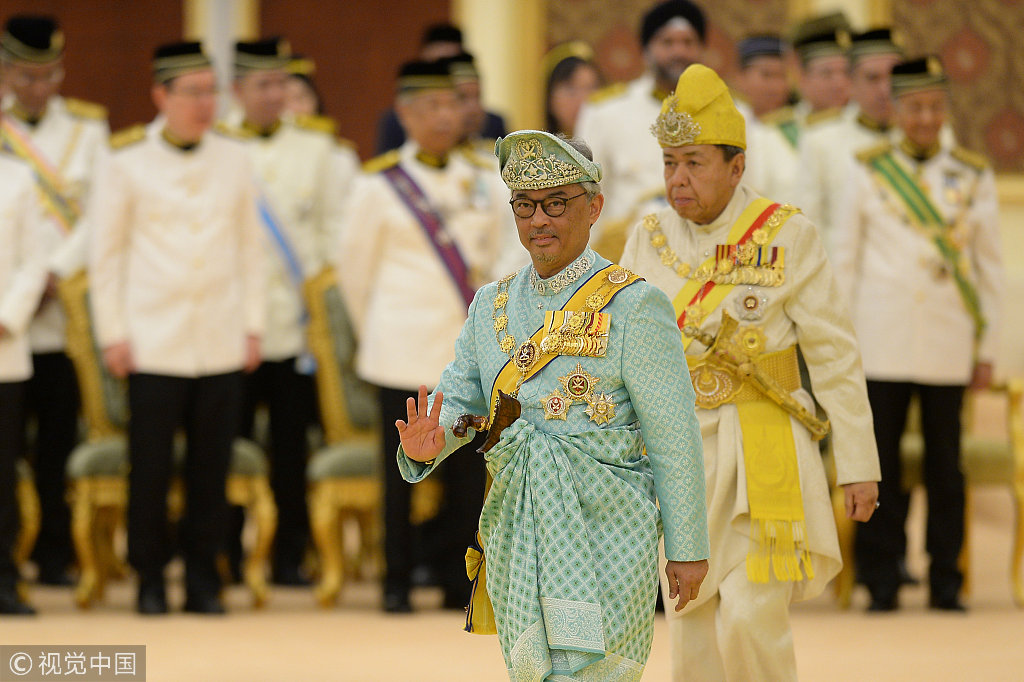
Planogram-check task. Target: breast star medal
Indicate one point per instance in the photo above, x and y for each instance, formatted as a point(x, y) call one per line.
point(601, 409)
point(555, 405)
point(579, 384)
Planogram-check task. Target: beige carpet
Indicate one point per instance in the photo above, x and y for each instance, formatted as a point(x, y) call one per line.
point(293, 640)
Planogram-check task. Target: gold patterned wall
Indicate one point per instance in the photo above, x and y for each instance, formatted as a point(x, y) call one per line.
point(980, 43)
point(612, 27)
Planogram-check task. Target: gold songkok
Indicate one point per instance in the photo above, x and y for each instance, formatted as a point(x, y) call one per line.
point(533, 159)
point(700, 111)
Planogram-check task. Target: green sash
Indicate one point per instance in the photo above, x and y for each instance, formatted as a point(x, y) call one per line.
point(921, 211)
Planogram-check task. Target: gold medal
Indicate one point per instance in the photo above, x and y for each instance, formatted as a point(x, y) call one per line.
point(595, 301)
point(695, 314)
point(555, 405)
point(579, 384)
point(601, 409)
point(526, 356)
point(618, 276)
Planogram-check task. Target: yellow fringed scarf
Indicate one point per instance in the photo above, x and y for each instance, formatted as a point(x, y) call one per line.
point(778, 534)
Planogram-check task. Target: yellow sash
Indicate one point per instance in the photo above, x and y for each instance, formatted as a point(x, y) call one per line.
point(741, 230)
point(592, 296)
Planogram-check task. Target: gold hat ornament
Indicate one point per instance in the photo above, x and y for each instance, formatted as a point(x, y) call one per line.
point(700, 111)
point(534, 159)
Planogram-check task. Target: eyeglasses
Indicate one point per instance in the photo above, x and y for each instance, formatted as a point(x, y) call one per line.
point(552, 206)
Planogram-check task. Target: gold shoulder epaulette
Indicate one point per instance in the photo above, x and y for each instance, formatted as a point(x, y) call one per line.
point(128, 136)
point(871, 153)
point(816, 117)
point(779, 116)
point(83, 109)
point(346, 143)
point(222, 128)
point(382, 162)
point(607, 92)
point(318, 124)
point(973, 159)
point(472, 151)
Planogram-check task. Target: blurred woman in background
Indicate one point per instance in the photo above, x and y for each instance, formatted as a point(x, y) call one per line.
point(572, 76)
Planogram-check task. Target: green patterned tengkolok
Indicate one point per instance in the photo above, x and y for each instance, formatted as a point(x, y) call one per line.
point(533, 159)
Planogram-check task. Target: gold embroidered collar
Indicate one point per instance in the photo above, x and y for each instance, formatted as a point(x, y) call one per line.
point(917, 153)
point(176, 142)
point(871, 124)
point(251, 128)
point(23, 114)
point(432, 160)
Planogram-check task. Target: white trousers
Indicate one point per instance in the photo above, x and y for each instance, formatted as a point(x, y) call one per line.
point(742, 634)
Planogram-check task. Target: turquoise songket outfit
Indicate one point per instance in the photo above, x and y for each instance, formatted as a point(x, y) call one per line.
point(606, 454)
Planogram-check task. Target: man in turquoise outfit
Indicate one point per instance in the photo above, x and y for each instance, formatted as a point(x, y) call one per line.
point(607, 451)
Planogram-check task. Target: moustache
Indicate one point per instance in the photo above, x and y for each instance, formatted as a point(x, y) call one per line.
point(541, 233)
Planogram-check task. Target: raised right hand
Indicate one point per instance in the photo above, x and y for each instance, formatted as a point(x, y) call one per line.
point(422, 436)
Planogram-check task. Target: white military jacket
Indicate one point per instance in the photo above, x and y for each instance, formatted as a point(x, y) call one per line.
point(825, 153)
point(302, 178)
point(22, 266)
point(72, 137)
point(618, 130)
point(176, 255)
point(772, 163)
point(906, 307)
point(805, 309)
point(405, 306)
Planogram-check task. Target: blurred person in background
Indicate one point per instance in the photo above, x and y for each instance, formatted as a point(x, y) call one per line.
point(63, 141)
point(572, 77)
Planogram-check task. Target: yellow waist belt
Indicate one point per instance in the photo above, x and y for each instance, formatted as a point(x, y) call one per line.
point(717, 383)
point(778, 534)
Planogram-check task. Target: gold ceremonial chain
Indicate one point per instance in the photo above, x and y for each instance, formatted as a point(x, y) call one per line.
point(734, 270)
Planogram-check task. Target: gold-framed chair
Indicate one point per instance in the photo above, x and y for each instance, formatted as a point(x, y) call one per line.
point(986, 459)
point(97, 470)
point(344, 476)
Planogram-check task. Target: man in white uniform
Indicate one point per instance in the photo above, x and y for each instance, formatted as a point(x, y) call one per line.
point(615, 122)
point(826, 149)
point(300, 206)
point(918, 255)
point(61, 140)
point(22, 279)
point(178, 301)
point(428, 211)
point(750, 284)
point(773, 163)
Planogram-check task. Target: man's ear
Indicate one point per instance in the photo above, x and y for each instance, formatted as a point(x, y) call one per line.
point(159, 94)
point(596, 204)
point(737, 166)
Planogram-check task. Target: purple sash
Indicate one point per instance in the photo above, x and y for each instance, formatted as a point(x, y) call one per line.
point(416, 201)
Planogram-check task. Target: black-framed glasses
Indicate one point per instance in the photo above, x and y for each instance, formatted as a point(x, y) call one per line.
point(552, 206)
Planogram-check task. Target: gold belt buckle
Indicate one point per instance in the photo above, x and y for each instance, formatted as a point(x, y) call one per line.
point(714, 385)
